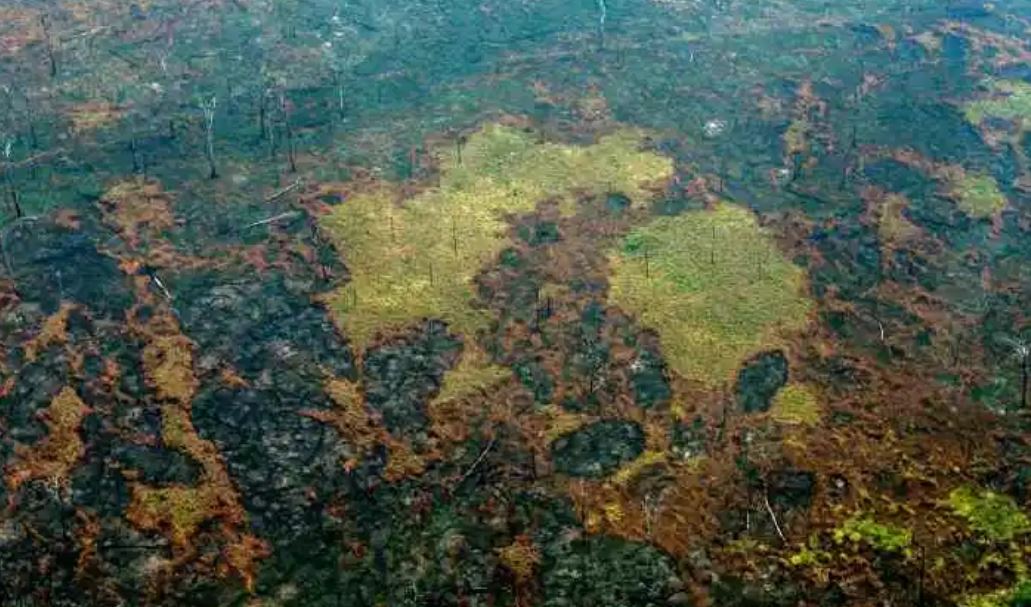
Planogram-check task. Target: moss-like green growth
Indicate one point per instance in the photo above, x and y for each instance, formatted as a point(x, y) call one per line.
point(861, 529)
point(417, 258)
point(474, 371)
point(810, 557)
point(713, 285)
point(1009, 100)
point(177, 510)
point(978, 196)
point(649, 459)
point(1017, 596)
point(894, 227)
point(796, 404)
point(1021, 595)
point(796, 138)
point(991, 514)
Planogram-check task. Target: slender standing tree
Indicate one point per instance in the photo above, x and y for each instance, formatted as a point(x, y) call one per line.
point(12, 193)
point(285, 107)
point(44, 22)
point(209, 107)
point(1021, 350)
point(262, 114)
point(338, 77)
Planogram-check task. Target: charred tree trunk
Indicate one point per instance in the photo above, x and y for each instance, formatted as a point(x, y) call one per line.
point(44, 21)
point(263, 116)
point(1025, 369)
point(288, 128)
point(137, 166)
point(13, 203)
point(209, 148)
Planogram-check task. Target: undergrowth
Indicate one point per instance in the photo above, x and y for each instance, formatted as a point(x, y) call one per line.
point(714, 287)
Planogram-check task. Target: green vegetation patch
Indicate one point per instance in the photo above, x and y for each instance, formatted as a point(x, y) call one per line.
point(894, 227)
point(991, 514)
point(473, 372)
point(1009, 100)
point(978, 196)
point(796, 404)
point(416, 258)
point(1017, 596)
point(810, 557)
point(796, 137)
point(713, 285)
point(861, 529)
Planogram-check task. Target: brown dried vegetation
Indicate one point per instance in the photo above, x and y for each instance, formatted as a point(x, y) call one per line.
point(364, 431)
point(52, 333)
point(350, 418)
point(93, 115)
point(179, 511)
point(137, 209)
point(997, 51)
point(808, 114)
point(53, 457)
point(19, 28)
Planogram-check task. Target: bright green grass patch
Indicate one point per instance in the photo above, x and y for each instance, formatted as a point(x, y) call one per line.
point(1010, 100)
point(713, 285)
point(417, 258)
point(473, 372)
point(864, 530)
point(978, 196)
point(796, 404)
point(991, 514)
point(808, 557)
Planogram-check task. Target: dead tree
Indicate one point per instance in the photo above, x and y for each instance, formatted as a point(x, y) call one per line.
point(1021, 350)
point(48, 38)
point(284, 106)
point(209, 107)
point(13, 204)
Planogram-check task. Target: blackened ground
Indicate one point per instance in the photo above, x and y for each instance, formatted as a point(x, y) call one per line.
point(760, 379)
point(598, 449)
point(402, 375)
point(51, 264)
point(601, 571)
